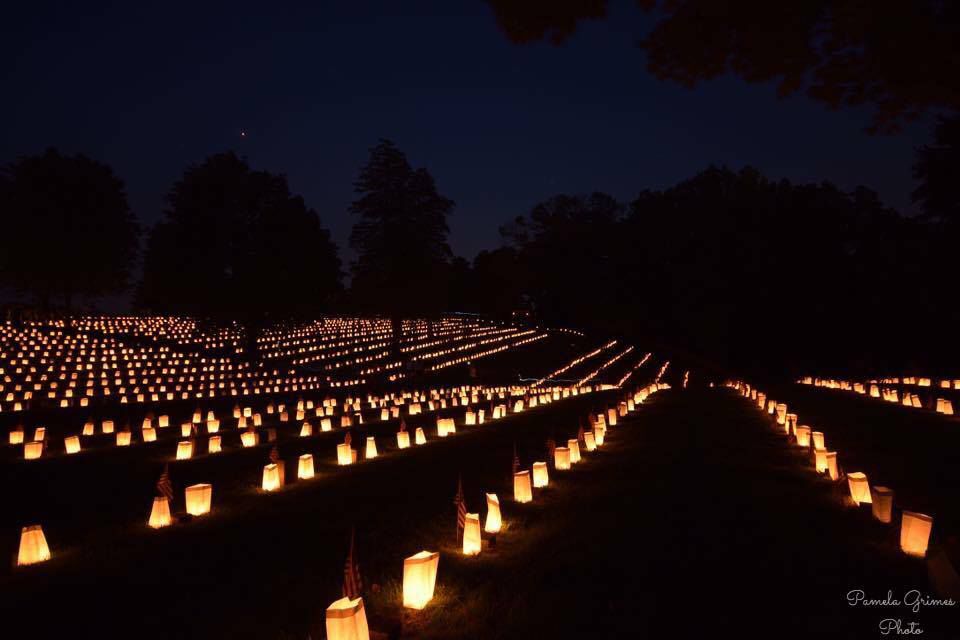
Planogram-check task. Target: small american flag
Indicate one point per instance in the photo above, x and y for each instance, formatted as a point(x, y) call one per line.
point(274, 455)
point(551, 447)
point(516, 459)
point(461, 507)
point(580, 433)
point(352, 583)
point(164, 486)
point(347, 439)
point(403, 426)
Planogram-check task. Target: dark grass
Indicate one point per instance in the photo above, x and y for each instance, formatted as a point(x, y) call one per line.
point(85, 497)
point(915, 452)
point(117, 484)
point(699, 521)
point(282, 551)
point(695, 520)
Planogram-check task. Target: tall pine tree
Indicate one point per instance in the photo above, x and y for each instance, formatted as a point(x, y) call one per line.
point(400, 238)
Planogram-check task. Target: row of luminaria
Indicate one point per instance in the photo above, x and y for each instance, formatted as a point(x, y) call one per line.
point(346, 618)
point(915, 528)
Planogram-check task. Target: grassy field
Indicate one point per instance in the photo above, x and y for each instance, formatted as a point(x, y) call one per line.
point(695, 519)
point(915, 452)
point(79, 497)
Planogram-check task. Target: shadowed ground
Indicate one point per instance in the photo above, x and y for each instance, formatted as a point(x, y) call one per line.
point(695, 520)
point(700, 521)
point(916, 452)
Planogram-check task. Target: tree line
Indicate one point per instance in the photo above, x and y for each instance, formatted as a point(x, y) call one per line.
point(727, 266)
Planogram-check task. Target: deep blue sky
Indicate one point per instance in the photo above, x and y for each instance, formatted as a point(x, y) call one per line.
point(150, 89)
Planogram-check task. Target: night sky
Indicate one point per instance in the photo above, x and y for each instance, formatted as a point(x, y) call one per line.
point(151, 89)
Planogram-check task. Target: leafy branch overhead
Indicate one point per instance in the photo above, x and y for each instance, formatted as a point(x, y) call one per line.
point(897, 58)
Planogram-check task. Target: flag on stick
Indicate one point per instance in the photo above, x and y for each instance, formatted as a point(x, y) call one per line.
point(164, 486)
point(516, 460)
point(352, 583)
point(274, 455)
point(461, 507)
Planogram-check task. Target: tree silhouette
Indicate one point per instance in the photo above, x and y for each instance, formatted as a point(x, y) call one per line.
point(459, 286)
point(938, 170)
point(526, 21)
point(400, 238)
point(499, 281)
point(740, 272)
point(555, 231)
point(898, 57)
point(67, 228)
point(235, 243)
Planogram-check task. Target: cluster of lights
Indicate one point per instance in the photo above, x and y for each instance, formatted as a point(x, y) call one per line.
point(346, 617)
point(878, 389)
point(915, 527)
point(60, 364)
point(333, 338)
point(327, 334)
point(593, 374)
point(489, 352)
point(476, 332)
point(629, 373)
point(171, 359)
point(198, 497)
point(317, 342)
point(247, 418)
point(663, 371)
point(574, 363)
point(46, 366)
point(181, 332)
point(478, 338)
